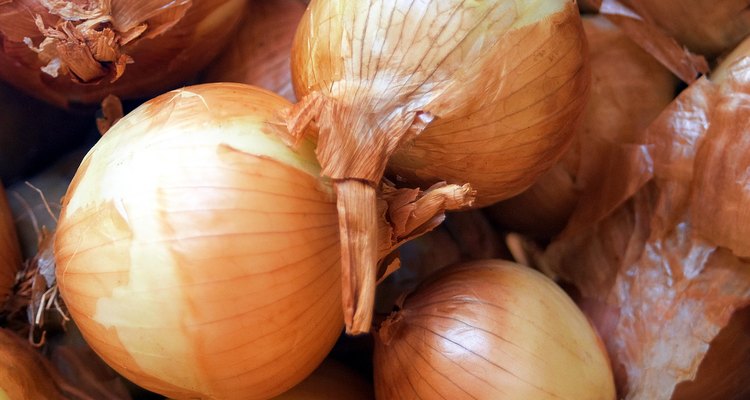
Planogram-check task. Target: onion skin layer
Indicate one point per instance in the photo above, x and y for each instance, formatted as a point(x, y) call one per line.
point(198, 254)
point(10, 250)
point(490, 330)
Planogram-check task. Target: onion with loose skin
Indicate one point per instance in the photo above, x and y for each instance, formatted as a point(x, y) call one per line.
point(629, 89)
point(197, 253)
point(490, 329)
point(10, 250)
point(331, 381)
point(480, 92)
point(259, 54)
point(80, 52)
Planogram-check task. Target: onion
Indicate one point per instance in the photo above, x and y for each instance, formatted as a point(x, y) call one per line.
point(628, 91)
point(10, 252)
point(488, 330)
point(197, 253)
point(80, 52)
point(260, 53)
point(24, 374)
point(503, 81)
point(331, 381)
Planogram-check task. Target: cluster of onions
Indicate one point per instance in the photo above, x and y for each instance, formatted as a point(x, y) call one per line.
point(197, 253)
point(662, 275)
point(259, 54)
point(488, 330)
point(628, 91)
point(10, 252)
point(486, 93)
point(79, 52)
point(331, 381)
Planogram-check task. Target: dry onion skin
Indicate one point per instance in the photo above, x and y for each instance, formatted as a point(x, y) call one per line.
point(662, 275)
point(331, 381)
point(10, 251)
point(490, 329)
point(79, 52)
point(259, 54)
point(197, 253)
point(437, 86)
point(629, 89)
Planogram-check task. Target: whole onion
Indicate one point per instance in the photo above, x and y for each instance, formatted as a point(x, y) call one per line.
point(10, 251)
point(80, 52)
point(480, 92)
point(490, 330)
point(197, 253)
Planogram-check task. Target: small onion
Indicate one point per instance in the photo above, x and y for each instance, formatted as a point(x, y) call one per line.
point(10, 251)
point(331, 381)
point(197, 253)
point(259, 54)
point(480, 92)
point(490, 330)
point(80, 52)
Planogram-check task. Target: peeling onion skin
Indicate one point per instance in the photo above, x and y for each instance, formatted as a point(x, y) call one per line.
point(10, 250)
point(490, 329)
point(181, 37)
point(198, 254)
point(259, 54)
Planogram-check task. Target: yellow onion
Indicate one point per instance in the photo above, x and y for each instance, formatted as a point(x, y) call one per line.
point(80, 52)
point(331, 381)
point(10, 252)
point(259, 54)
point(197, 253)
point(490, 329)
point(480, 92)
point(629, 88)
point(25, 374)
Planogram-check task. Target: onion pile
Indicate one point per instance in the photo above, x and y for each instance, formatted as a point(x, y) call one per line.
point(629, 88)
point(197, 253)
point(486, 93)
point(259, 54)
point(10, 252)
point(489, 330)
point(80, 52)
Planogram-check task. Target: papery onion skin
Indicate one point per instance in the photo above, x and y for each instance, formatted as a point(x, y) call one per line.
point(181, 37)
point(198, 254)
point(490, 329)
point(331, 381)
point(259, 54)
point(629, 89)
point(10, 250)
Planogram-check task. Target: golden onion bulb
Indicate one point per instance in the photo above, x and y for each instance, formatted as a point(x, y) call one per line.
point(10, 250)
point(490, 329)
point(80, 52)
point(198, 254)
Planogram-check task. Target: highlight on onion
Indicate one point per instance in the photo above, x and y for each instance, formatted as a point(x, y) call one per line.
point(490, 329)
point(259, 53)
point(486, 93)
point(661, 275)
point(79, 52)
point(331, 381)
point(629, 89)
point(10, 251)
point(189, 222)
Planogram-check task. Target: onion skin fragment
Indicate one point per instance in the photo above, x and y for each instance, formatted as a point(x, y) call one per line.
point(490, 329)
point(191, 221)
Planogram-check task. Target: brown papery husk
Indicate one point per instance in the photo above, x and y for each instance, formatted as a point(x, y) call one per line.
point(629, 89)
point(131, 49)
point(259, 53)
point(10, 250)
point(487, 330)
point(657, 283)
point(370, 97)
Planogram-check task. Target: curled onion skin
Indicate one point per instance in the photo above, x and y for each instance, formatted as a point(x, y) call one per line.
point(488, 330)
point(69, 53)
point(259, 54)
point(10, 250)
point(197, 253)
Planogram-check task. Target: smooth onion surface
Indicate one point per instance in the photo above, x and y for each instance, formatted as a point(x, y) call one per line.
point(10, 251)
point(259, 54)
point(331, 381)
point(199, 254)
point(128, 48)
point(490, 330)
